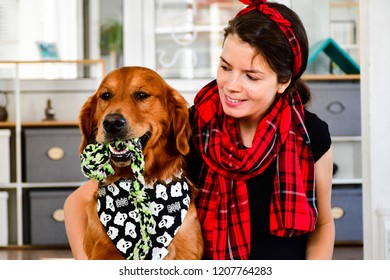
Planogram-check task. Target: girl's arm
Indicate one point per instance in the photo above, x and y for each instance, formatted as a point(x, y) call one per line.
point(76, 216)
point(321, 240)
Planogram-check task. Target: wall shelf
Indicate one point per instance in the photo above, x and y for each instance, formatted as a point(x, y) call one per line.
point(39, 124)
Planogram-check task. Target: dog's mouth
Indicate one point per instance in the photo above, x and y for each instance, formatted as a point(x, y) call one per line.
point(120, 152)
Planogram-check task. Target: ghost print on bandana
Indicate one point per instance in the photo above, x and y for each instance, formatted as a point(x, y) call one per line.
point(169, 202)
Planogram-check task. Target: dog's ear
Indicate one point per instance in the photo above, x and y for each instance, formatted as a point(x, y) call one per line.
point(180, 120)
point(86, 122)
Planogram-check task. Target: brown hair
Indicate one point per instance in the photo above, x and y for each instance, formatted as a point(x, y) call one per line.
point(265, 36)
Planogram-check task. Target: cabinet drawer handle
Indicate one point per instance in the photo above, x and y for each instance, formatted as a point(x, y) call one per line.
point(56, 153)
point(335, 107)
point(337, 213)
point(58, 215)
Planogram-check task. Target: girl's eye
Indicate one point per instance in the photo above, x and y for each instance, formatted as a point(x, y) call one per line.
point(224, 68)
point(252, 78)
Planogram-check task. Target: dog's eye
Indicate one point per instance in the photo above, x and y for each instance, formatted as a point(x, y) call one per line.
point(141, 95)
point(106, 95)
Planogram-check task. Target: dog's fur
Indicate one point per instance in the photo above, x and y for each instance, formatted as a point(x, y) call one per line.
point(132, 102)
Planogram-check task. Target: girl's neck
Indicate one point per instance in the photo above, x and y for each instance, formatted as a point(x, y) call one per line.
point(248, 131)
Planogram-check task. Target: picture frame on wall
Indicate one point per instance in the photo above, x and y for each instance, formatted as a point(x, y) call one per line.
point(48, 50)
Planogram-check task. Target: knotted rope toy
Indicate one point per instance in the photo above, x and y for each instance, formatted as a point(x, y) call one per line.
point(95, 164)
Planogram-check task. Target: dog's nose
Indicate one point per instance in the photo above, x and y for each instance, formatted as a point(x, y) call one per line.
point(113, 123)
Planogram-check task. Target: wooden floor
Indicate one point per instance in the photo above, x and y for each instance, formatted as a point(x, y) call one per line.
point(28, 253)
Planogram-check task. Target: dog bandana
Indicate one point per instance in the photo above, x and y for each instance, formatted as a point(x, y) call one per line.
point(136, 217)
point(120, 217)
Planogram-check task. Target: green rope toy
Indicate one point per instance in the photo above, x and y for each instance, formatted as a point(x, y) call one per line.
point(95, 164)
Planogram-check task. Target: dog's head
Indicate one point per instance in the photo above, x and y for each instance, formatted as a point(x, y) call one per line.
point(135, 102)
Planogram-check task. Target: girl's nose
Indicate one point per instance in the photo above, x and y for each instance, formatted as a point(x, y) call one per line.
point(233, 83)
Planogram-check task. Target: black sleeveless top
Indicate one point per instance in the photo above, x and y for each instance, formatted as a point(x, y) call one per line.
point(264, 245)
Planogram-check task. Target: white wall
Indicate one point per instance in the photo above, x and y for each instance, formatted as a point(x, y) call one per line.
point(50, 21)
point(315, 17)
point(47, 21)
point(375, 100)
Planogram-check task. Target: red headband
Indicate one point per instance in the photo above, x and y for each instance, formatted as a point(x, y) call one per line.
point(283, 24)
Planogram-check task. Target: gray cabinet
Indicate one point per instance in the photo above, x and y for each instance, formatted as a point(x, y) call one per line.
point(338, 103)
point(52, 155)
point(44, 216)
point(347, 214)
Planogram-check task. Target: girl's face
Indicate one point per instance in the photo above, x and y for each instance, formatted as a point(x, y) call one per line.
point(247, 85)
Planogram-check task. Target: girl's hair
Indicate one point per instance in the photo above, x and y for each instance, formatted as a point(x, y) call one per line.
point(265, 36)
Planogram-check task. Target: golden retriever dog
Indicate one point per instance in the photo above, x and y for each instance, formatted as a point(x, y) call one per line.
point(135, 102)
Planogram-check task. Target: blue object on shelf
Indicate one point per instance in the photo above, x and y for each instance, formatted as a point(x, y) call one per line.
point(333, 50)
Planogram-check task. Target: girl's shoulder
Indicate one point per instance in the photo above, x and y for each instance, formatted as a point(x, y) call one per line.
point(319, 134)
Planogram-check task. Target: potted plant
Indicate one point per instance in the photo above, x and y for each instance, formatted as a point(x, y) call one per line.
point(111, 41)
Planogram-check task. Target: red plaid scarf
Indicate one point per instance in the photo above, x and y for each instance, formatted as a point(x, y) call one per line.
point(223, 203)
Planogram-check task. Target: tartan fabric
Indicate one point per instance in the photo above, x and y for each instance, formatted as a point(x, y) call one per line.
point(283, 24)
point(223, 208)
